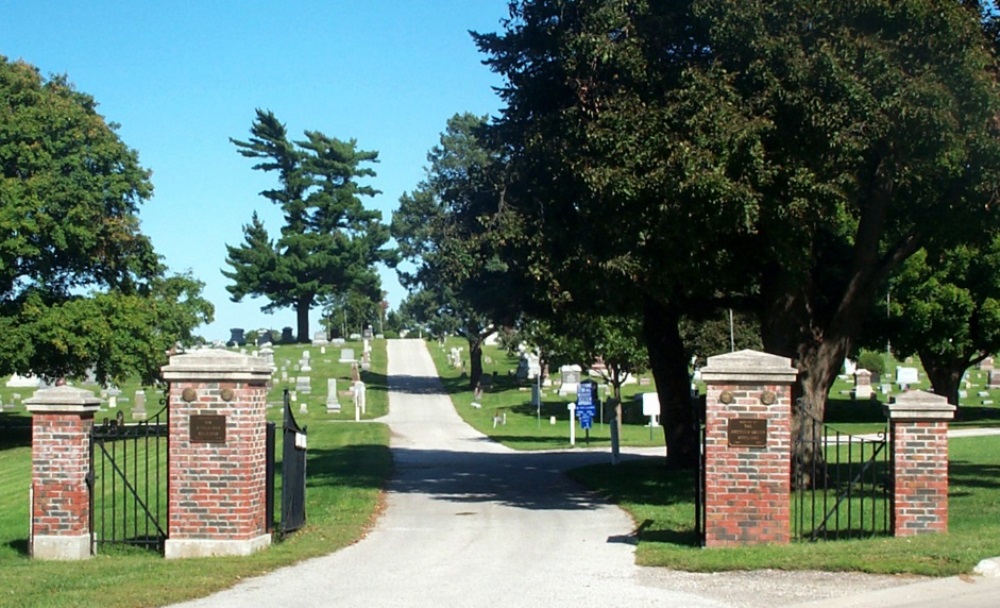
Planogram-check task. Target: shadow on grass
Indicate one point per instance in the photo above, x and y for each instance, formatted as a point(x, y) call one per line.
point(355, 466)
point(963, 473)
point(20, 546)
point(865, 410)
point(15, 432)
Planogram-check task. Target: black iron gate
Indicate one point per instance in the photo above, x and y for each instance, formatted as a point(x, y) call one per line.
point(840, 482)
point(128, 482)
point(698, 402)
point(293, 472)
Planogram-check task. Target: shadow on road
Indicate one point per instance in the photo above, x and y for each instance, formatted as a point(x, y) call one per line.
point(521, 480)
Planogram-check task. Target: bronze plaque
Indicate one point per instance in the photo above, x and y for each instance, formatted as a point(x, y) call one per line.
point(748, 432)
point(208, 428)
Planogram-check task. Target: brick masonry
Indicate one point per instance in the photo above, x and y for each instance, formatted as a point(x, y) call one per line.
point(217, 488)
point(747, 486)
point(62, 418)
point(918, 426)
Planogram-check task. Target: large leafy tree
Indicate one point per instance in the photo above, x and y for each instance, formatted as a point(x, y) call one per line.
point(945, 307)
point(80, 285)
point(783, 157)
point(460, 270)
point(329, 244)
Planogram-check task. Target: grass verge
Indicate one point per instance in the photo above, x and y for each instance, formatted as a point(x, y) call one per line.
point(347, 463)
point(661, 501)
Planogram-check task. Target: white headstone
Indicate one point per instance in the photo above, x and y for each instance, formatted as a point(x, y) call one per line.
point(347, 355)
point(862, 384)
point(359, 396)
point(332, 404)
point(906, 376)
point(302, 385)
point(570, 376)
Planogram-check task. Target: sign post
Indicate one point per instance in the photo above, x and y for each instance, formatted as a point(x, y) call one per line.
point(585, 408)
point(572, 423)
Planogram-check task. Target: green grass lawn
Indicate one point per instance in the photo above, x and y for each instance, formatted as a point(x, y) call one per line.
point(662, 504)
point(525, 427)
point(662, 501)
point(347, 464)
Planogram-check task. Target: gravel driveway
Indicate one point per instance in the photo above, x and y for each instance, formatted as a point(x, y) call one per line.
point(471, 523)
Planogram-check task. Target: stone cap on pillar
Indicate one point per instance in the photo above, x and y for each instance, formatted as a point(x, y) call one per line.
point(749, 366)
point(68, 399)
point(216, 365)
point(919, 405)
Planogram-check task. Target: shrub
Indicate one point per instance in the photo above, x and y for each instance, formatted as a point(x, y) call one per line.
point(872, 362)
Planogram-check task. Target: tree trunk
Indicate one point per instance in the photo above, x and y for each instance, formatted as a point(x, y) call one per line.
point(302, 321)
point(668, 362)
point(945, 376)
point(817, 352)
point(475, 361)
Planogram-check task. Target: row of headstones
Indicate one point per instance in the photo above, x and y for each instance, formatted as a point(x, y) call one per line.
point(237, 337)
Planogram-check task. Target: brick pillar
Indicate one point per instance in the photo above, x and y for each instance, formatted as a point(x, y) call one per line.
point(217, 454)
point(748, 446)
point(62, 418)
point(918, 427)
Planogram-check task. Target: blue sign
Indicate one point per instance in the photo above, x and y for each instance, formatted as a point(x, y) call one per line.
point(585, 413)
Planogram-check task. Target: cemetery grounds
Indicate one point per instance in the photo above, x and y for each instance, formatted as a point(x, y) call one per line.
point(661, 501)
point(349, 463)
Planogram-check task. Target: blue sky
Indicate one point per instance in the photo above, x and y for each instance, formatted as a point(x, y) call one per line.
point(181, 78)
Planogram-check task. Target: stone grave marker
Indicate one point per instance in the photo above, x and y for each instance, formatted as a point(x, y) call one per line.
point(347, 355)
point(332, 404)
point(994, 379)
point(302, 385)
point(320, 339)
point(236, 337)
point(862, 384)
point(569, 376)
point(906, 376)
point(287, 337)
point(139, 407)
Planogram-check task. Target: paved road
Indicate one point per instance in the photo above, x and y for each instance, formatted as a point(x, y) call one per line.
point(470, 523)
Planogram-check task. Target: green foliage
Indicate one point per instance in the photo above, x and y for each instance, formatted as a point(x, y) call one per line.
point(783, 158)
point(329, 244)
point(871, 361)
point(70, 192)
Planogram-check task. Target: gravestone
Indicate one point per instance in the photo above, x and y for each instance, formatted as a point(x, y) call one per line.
point(862, 384)
point(359, 396)
point(236, 337)
point(347, 355)
point(994, 379)
point(302, 385)
point(906, 376)
point(366, 361)
point(304, 362)
point(332, 404)
point(527, 367)
point(850, 367)
point(320, 339)
point(366, 333)
point(25, 381)
point(267, 353)
point(264, 338)
point(986, 364)
point(287, 337)
point(569, 376)
point(139, 407)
